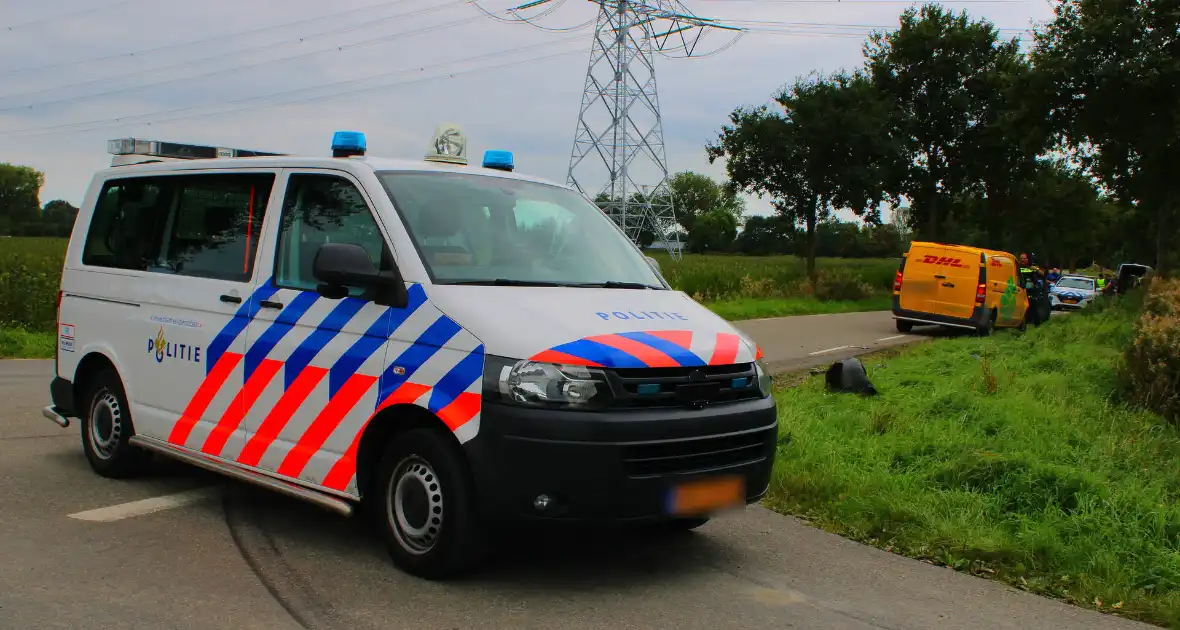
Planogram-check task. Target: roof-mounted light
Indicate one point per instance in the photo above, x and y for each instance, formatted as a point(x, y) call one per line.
point(449, 145)
point(139, 150)
point(348, 143)
point(499, 160)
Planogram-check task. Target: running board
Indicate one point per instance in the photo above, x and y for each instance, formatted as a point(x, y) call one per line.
point(333, 504)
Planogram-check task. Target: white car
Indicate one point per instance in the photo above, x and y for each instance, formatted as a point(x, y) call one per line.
point(1072, 292)
point(451, 345)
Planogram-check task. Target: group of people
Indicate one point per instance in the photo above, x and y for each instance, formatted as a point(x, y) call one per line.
point(1038, 278)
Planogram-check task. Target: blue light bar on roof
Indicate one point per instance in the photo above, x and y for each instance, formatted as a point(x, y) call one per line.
point(499, 160)
point(346, 143)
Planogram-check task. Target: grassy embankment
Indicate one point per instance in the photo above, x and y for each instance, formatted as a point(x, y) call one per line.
point(736, 287)
point(1010, 457)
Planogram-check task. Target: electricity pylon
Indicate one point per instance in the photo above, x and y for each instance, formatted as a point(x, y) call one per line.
point(619, 128)
point(619, 120)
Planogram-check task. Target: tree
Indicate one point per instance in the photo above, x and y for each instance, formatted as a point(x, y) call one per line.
point(58, 217)
point(1116, 72)
point(762, 236)
point(695, 194)
point(938, 71)
point(713, 231)
point(830, 147)
point(20, 189)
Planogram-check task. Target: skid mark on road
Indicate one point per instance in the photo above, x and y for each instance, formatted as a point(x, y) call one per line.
point(292, 590)
point(146, 506)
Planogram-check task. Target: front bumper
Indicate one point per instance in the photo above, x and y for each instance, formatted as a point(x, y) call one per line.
point(618, 465)
point(1056, 303)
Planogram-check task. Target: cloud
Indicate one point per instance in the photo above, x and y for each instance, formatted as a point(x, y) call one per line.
point(396, 70)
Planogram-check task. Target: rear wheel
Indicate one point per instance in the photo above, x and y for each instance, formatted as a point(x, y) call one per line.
point(990, 327)
point(107, 428)
point(904, 326)
point(425, 506)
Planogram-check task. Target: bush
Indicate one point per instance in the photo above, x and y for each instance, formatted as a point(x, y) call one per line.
point(841, 284)
point(1150, 367)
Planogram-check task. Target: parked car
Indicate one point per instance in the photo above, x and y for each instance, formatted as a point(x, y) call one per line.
point(1072, 292)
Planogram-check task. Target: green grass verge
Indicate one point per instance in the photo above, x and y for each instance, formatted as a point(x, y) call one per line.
point(1003, 456)
point(754, 308)
point(16, 343)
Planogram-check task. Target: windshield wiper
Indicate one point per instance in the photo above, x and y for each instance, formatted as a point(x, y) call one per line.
point(614, 284)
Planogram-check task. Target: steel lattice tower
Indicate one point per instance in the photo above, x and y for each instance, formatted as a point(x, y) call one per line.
point(619, 141)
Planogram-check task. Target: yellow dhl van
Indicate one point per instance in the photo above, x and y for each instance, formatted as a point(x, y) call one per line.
point(958, 286)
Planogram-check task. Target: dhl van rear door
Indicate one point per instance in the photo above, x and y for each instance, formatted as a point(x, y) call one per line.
point(919, 287)
point(958, 281)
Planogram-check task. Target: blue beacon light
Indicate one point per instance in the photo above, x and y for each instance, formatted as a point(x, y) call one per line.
point(499, 160)
point(348, 143)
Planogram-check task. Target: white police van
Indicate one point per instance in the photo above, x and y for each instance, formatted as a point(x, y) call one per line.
point(453, 346)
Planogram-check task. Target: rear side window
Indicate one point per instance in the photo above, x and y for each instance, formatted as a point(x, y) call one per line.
point(190, 225)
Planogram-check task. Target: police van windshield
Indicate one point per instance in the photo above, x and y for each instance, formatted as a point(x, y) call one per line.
point(476, 229)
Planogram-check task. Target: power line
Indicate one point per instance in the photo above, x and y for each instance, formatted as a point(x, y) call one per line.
point(876, 1)
point(63, 16)
point(182, 64)
point(146, 51)
point(54, 130)
point(239, 68)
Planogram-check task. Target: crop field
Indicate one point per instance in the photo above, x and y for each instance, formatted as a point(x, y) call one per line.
point(30, 272)
point(737, 286)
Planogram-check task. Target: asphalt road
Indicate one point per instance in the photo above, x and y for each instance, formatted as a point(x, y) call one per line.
point(77, 553)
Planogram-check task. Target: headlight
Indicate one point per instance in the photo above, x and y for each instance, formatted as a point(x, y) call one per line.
point(764, 381)
point(536, 384)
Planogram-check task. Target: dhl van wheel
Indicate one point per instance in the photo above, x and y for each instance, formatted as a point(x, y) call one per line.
point(106, 428)
point(426, 509)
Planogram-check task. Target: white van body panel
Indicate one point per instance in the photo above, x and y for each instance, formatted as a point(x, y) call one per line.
point(526, 322)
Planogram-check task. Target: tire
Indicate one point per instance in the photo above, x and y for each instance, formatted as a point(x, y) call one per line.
point(990, 327)
point(904, 326)
point(107, 429)
point(424, 506)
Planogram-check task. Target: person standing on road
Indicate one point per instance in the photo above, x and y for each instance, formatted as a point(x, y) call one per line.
point(1033, 277)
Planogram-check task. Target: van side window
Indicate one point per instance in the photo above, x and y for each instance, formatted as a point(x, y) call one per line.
point(127, 226)
point(215, 225)
point(319, 209)
point(191, 225)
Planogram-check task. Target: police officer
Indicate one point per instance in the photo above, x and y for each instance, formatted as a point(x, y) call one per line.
point(1038, 290)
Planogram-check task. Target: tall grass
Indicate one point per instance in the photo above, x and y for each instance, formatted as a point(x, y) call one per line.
point(1005, 456)
point(30, 274)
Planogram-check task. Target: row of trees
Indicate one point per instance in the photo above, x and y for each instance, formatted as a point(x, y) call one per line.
point(1063, 151)
point(21, 213)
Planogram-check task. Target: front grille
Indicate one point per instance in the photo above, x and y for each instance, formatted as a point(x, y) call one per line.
point(682, 386)
point(696, 455)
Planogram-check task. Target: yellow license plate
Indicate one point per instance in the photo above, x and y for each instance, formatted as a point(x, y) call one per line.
point(1068, 301)
point(707, 495)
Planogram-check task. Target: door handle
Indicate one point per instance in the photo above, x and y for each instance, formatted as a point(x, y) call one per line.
point(949, 284)
point(939, 276)
point(231, 298)
point(269, 304)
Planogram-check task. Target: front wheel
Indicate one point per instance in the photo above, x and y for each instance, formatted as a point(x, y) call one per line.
point(425, 506)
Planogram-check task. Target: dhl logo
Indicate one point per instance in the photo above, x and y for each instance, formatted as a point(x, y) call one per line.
point(995, 262)
point(944, 261)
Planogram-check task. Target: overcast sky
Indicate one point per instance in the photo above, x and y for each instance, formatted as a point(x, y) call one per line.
point(282, 75)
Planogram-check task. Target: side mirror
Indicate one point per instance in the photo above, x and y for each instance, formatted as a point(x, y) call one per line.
point(343, 266)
